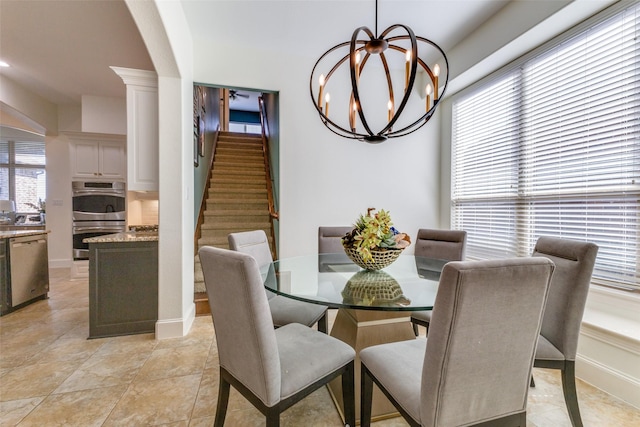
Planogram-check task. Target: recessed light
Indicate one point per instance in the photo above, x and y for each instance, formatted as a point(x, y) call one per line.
point(3, 64)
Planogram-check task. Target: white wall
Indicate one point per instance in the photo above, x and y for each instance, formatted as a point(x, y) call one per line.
point(102, 114)
point(326, 179)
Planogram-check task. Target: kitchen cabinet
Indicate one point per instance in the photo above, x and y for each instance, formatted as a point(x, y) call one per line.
point(123, 284)
point(142, 128)
point(97, 156)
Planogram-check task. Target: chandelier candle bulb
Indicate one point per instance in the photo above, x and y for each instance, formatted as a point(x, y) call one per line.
point(327, 98)
point(352, 115)
point(436, 73)
point(321, 81)
point(407, 68)
point(428, 91)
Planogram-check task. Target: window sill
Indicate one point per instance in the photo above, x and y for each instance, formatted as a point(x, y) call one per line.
point(613, 311)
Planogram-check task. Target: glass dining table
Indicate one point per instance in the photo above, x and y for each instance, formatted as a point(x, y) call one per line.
point(374, 307)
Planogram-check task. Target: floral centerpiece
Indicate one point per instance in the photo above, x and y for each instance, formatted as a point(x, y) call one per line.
point(374, 243)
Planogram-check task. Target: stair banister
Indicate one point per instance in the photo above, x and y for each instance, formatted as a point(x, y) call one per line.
point(265, 151)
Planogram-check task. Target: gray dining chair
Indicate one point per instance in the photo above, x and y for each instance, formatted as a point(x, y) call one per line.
point(272, 368)
point(283, 310)
point(449, 245)
point(330, 238)
point(330, 250)
point(475, 365)
point(558, 342)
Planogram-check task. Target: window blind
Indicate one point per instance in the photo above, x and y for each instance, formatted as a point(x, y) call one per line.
point(552, 147)
point(23, 173)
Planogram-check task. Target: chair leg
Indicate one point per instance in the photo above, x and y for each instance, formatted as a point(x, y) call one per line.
point(273, 417)
point(349, 395)
point(323, 325)
point(223, 400)
point(366, 396)
point(415, 328)
point(570, 393)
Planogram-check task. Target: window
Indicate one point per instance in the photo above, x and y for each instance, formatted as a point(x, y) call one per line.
point(551, 146)
point(22, 174)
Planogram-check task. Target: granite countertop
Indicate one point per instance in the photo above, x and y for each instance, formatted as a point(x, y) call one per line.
point(21, 233)
point(126, 237)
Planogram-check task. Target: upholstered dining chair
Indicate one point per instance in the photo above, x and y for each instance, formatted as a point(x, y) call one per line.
point(330, 238)
point(283, 310)
point(272, 368)
point(330, 250)
point(475, 365)
point(449, 245)
point(558, 343)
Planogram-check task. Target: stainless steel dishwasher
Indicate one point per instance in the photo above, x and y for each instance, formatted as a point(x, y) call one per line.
point(29, 268)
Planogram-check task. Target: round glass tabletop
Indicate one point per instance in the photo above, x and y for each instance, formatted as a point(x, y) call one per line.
point(409, 284)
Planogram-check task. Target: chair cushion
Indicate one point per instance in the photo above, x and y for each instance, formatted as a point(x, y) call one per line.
point(547, 351)
point(424, 316)
point(286, 310)
point(307, 355)
point(398, 366)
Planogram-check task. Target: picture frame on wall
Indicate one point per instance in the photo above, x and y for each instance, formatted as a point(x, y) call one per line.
point(196, 144)
point(201, 135)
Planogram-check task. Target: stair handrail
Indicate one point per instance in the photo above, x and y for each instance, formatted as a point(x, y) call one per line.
point(203, 201)
point(264, 125)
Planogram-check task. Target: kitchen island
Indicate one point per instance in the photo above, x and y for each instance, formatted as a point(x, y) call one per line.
point(123, 283)
point(24, 268)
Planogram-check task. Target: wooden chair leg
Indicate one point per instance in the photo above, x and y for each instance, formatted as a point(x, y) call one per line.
point(415, 328)
point(570, 393)
point(366, 396)
point(323, 324)
point(273, 417)
point(223, 401)
point(349, 395)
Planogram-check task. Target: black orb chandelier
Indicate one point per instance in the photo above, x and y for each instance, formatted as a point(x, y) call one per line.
point(398, 59)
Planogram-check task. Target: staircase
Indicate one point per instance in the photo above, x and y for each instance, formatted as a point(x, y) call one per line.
point(236, 199)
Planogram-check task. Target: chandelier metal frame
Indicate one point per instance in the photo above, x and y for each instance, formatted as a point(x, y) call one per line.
point(377, 45)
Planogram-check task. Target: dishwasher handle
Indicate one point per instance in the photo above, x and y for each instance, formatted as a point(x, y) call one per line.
point(30, 242)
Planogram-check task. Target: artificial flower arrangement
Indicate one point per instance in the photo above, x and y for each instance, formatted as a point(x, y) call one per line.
point(374, 233)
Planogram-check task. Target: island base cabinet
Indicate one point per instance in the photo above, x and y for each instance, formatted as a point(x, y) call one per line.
point(123, 288)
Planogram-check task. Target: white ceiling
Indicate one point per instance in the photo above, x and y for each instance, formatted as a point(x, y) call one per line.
point(62, 49)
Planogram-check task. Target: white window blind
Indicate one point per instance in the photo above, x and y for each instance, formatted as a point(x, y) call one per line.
point(552, 147)
point(23, 173)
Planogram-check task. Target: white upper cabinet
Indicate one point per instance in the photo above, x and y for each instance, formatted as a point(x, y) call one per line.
point(142, 128)
point(97, 156)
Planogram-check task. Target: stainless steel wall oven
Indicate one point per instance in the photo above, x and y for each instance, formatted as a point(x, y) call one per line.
point(99, 208)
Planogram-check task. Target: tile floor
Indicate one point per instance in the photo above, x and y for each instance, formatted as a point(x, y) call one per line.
point(51, 375)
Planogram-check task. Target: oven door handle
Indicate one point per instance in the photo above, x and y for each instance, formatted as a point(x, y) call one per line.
point(100, 192)
point(77, 230)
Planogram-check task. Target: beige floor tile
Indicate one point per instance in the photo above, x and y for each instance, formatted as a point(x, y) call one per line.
point(64, 409)
point(207, 394)
point(174, 362)
point(67, 349)
point(156, 402)
point(201, 422)
point(13, 411)
point(104, 371)
point(34, 380)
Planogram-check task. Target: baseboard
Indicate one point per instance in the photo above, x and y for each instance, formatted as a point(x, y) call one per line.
point(60, 263)
point(613, 382)
point(176, 328)
point(609, 361)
